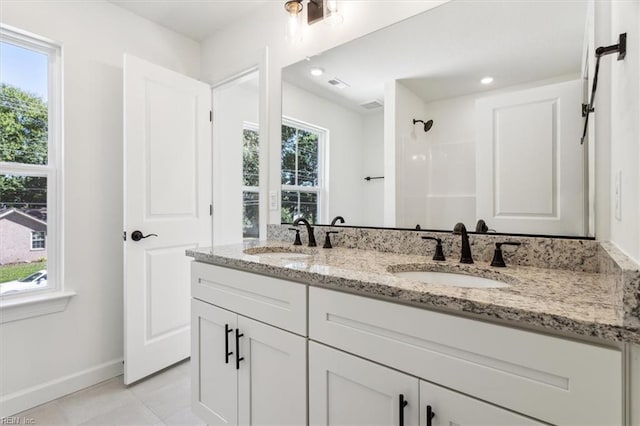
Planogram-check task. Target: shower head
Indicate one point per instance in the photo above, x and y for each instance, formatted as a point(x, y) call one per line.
point(427, 124)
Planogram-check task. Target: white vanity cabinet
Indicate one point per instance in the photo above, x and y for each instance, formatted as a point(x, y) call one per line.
point(371, 362)
point(555, 380)
point(347, 390)
point(245, 372)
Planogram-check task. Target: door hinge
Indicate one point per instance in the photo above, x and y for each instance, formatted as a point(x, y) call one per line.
point(124, 235)
point(211, 116)
point(210, 209)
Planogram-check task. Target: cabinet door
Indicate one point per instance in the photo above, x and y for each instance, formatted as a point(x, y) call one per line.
point(452, 408)
point(346, 390)
point(272, 382)
point(214, 387)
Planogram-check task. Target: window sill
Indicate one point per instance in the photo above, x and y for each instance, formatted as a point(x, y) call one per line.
point(34, 306)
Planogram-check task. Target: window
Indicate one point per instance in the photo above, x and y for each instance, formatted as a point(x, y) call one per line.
point(250, 181)
point(301, 171)
point(30, 166)
point(37, 240)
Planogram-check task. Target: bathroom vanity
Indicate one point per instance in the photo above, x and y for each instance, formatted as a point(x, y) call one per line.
point(294, 336)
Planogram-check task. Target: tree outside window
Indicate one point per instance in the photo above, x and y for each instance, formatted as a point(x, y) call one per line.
point(250, 181)
point(29, 161)
point(301, 177)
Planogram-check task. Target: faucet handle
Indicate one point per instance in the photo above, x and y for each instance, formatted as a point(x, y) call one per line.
point(297, 242)
point(439, 253)
point(327, 239)
point(498, 260)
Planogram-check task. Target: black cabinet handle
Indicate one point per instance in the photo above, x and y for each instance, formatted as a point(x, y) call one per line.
point(137, 235)
point(401, 404)
point(227, 330)
point(430, 415)
point(238, 357)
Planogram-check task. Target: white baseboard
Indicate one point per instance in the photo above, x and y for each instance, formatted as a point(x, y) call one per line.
point(25, 399)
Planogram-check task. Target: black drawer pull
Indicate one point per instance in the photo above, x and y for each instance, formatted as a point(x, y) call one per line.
point(227, 330)
point(430, 415)
point(401, 404)
point(238, 357)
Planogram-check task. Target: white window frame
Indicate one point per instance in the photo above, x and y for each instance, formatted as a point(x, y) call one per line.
point(246, 125)
point(323, 179)
point(42, 239)
point(53, 298)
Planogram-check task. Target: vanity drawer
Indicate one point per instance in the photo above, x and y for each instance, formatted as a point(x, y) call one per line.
point(274, 301)
point(549, 378)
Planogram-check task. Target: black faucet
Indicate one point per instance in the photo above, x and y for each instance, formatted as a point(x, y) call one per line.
point(465, 255)
point(498, 260)
point(336, 219)
point(439, 254)
point(481, 227)
point(327, 239)
point(297, 242)
point(312, 238)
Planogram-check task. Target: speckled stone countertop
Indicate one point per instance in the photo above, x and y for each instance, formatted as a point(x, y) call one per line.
point(578, 303)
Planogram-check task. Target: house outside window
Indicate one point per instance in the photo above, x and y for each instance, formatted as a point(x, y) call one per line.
point(37, 240)
point(302, 172)
point(250, 181)
point(30, 163)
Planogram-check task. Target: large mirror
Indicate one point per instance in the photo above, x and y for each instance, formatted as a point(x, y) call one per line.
point(471, 110)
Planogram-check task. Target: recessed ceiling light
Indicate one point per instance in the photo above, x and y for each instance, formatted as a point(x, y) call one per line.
point(487, 80)
point(317, 71)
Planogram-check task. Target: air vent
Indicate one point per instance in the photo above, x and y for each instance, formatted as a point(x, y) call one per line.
point(371, 104)
point(336, 82)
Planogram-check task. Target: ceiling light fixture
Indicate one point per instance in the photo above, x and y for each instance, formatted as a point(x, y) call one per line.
point(317, 71)
point(293, 7)
point(317, 10)
point(334, 16)
point(487, 80)
point(294, 32)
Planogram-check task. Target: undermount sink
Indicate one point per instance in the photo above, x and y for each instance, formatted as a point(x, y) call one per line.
point(450, 279)
point(276, 253)
point(284, 255)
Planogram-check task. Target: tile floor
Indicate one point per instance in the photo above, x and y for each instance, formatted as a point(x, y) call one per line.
point(163, 399)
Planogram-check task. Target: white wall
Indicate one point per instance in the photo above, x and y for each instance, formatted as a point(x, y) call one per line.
point(44, 357)
point(451, 154)
point(617, 122)
point(345, 149)
point(266, 27)
point(411, 159)
point(373, 165)
point(625, 128)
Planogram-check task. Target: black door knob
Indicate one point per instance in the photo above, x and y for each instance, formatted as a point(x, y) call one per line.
point(137, 235)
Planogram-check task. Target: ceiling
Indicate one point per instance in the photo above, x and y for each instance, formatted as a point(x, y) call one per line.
point(445, 51)
point(195, 19)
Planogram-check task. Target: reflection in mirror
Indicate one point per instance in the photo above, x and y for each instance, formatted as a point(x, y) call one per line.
point(236, 154)
point(302, 154)
point(469, 111)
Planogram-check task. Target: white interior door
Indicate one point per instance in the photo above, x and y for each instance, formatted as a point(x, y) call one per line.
point(167, 192)
point(236, 108)
point(529, 161)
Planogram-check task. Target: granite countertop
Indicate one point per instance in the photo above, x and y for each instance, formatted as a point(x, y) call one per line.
point(580, 303)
